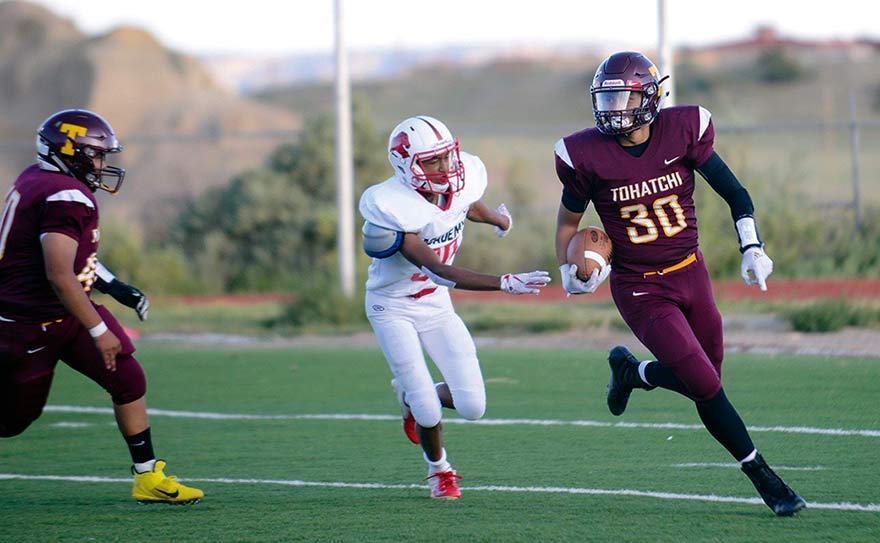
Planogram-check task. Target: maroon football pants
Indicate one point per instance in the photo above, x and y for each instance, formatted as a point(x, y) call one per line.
point(674, 315)
point(29, 353)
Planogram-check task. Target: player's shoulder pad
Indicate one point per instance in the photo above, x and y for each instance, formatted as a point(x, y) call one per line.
point(395, 207)
point(476, 178)
point(381, 242)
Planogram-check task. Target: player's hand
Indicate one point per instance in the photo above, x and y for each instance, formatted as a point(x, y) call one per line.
point(573, 285)
point(501, 232)
point(130, 296)
point(756, 267)
point(109, 346)
point(524, 283)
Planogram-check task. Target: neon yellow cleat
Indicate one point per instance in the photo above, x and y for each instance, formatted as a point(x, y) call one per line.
point(155, 487)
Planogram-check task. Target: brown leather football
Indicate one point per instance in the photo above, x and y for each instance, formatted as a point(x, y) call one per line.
point(589, 249)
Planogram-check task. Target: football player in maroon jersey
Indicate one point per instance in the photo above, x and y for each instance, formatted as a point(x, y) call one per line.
point(48, 261)
point(637, 167)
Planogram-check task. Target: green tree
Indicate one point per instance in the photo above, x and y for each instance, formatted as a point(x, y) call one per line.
point(273, 225)
point(774, 66)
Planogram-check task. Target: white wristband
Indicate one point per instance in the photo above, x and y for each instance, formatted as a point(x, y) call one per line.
point(104, 273)
point(747, 231)
point(98, 329)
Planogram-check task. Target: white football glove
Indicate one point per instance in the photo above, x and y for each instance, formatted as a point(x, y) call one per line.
point(500, 232)
point(524, 283)
point(756, 267)
point(573, 285)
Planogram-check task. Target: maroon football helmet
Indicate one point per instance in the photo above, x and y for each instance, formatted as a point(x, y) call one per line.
point(76, 142)
point(616, 79)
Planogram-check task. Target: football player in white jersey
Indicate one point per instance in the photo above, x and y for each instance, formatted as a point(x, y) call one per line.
point(414, 227)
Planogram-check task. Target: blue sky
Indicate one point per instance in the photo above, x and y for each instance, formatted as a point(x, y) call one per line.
point(277, 27)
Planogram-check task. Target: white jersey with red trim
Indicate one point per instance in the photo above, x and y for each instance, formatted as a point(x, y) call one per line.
point(395, 206)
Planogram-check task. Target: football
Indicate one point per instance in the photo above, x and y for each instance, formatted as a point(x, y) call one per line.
point(589, 249)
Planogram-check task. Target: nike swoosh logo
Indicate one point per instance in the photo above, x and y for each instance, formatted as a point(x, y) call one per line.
point(32, 351)
point(139, 444)
point(169, 494)
point(671, 160)
point(640, 293)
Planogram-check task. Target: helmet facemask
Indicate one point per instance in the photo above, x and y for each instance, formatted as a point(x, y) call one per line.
point(626, 93)
point(619, 111)
point(449, 177)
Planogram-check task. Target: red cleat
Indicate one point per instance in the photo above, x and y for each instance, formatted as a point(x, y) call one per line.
point(444, 485)
point(409, 421)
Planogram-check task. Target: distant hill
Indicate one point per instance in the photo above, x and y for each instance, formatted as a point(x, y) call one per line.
point(520, 107)
point(524, 97)
point(157, 100)
point(250, 74)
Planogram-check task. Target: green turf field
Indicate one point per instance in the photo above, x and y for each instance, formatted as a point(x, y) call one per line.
point(554, 465)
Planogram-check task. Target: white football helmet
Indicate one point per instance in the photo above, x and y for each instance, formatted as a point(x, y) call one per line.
point(421, 138)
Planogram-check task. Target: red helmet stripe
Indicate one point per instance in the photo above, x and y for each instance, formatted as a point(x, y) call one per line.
point(436, 132)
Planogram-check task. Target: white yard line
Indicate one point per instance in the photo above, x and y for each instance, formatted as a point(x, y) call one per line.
point(489, 422)
point(838, 506)
point(736, 466)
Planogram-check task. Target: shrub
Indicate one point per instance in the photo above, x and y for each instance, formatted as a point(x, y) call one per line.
point(774, 66)
point(830, 315)
point(322, 304)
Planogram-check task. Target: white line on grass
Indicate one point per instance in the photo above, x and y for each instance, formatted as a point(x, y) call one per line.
point(734, 465)
point(487, 422)
point(838, 506)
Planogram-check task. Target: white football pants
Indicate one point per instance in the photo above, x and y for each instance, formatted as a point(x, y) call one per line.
point(403, 326)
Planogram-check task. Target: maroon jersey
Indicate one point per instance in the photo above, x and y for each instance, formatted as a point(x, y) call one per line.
point(38, 203)
point(645, 203)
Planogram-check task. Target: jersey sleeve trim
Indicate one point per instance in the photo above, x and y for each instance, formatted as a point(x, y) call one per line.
point(562, 152)
point(705, 119)
point(71, 195)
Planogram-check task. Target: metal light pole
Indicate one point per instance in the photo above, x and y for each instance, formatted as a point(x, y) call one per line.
point(854, 144)
point(664, 50)
point(344, 162)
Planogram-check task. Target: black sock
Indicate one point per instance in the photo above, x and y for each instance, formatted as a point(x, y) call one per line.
point(723, 422)
point(660, 376)
point(141, 447)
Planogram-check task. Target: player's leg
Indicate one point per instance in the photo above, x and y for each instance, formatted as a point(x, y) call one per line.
point(451, 347)
point(718, 414)
point(397, 337)
point(399, 342)
point(127, 388)
point(449, 344)
point(28, 354)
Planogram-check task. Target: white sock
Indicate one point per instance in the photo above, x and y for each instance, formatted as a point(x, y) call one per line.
point(439, 465)
point(145, 466)
point(750, 457)
point(642, 365)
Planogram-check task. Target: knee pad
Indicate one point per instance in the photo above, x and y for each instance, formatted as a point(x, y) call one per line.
point(470, 404)
point(425, 406)
point(129, 383)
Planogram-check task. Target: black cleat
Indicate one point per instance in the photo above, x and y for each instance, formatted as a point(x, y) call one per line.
point(773, 490)
point(624, 378)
